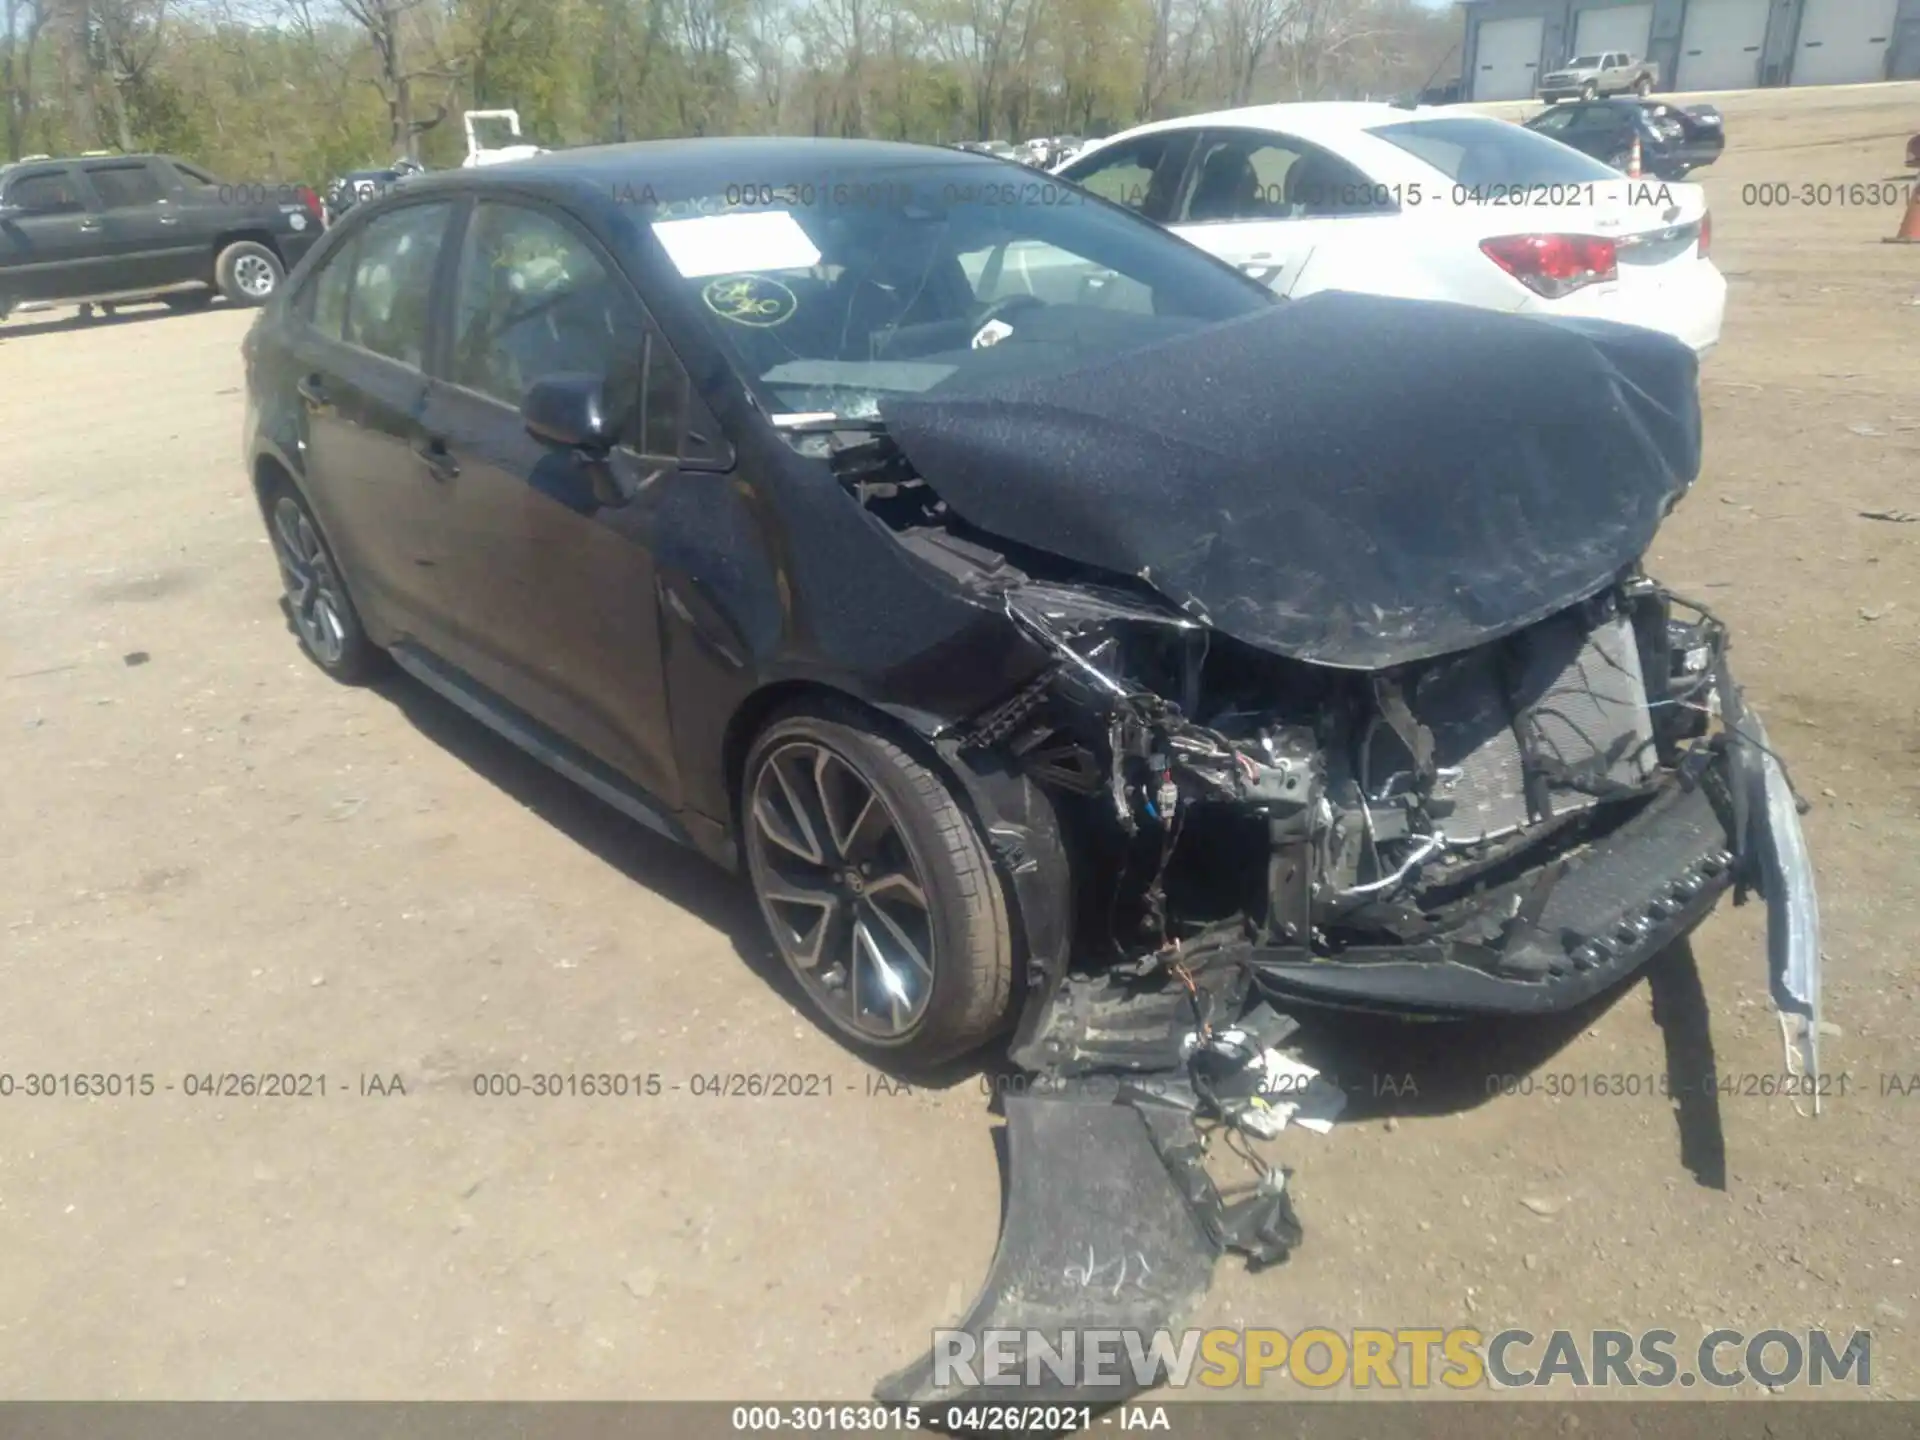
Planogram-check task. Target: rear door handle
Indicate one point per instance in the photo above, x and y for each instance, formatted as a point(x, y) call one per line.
point(312, 390)
point(433, 453)
point(169, 219)
point(89, 225)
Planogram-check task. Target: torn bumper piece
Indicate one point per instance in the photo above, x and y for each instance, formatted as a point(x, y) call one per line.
point(1783, 869)
point(1111, 1230)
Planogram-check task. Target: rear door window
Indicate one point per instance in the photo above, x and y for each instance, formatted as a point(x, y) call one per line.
point(392, 284)
point(1599, 120)
point(130, 183)
point(1258, 175)
point(324, 302)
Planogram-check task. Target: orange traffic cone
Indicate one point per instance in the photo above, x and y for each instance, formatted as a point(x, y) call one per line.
point(1633, 160)
point(1909, 231)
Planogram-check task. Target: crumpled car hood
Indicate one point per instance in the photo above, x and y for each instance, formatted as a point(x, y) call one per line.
point(1350, 480)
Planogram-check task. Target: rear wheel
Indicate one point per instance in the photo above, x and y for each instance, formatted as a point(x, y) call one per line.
point(315, 598)
point(248, 272)
point(1643, 86)
point(876, 886)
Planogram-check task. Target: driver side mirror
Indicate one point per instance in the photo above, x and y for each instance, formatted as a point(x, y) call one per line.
point(570, 409)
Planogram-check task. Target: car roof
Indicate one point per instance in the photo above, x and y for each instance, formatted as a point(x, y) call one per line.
point(1309, 119)
point(679, 166)
point(1344, 127)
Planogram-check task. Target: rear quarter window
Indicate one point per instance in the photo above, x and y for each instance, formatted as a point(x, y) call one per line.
point(1479, 150)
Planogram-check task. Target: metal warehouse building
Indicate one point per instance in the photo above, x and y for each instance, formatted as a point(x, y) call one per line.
point(1698, 44)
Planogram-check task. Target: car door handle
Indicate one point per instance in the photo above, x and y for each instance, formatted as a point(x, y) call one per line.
point(169, 219)
point(312, 389)
point(89, 224)
point(433, 453)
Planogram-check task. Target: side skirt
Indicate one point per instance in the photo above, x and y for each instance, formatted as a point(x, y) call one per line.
point(539, 741)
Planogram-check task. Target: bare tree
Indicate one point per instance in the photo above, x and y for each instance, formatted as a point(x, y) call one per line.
point(1244, 30)
point(126, 41)
point(24, 20)
point(709, 35)
point(766, 59)
point(387, 24)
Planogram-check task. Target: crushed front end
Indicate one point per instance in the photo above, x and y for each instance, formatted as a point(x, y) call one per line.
point(1325, 712)
point(1507, 829)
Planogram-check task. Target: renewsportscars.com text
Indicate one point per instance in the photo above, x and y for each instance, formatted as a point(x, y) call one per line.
point(1413, 1358)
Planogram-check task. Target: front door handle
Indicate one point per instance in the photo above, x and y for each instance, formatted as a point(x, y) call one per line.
point(89, 225)
point(169, 219)
point(433, 453)
point(311, 389)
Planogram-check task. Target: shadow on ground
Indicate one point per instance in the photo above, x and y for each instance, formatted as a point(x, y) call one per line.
point(1386, 1066)
point(56, 322)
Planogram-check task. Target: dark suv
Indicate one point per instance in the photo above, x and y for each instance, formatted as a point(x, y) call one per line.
point(126, 228)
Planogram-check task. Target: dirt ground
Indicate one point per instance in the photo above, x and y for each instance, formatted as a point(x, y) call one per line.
point(218, 861)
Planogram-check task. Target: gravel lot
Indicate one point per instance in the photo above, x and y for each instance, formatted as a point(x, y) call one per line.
point(218, 861)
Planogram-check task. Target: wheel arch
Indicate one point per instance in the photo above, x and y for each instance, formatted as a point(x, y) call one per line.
point(268, 469)
point(258, 236)
point(1013, 816)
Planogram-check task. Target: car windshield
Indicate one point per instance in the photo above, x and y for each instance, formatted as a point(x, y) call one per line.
point(1479, 150)
point(831, 294)
point(1584, 62)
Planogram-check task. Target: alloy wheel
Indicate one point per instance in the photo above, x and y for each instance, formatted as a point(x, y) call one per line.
point(841, 891)
point(254, 275)
point(313, 590)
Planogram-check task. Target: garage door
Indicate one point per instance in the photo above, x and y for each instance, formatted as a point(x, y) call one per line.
point(1720, 46)
point(1508, 59)
point(1619, 27)
point(1843, 41)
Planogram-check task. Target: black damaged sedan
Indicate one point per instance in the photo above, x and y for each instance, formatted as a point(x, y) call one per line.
point(1064, 635)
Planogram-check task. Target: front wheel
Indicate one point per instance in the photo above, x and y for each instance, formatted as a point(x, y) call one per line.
point(248, 272)
point(877, 888)
point(1589, 91)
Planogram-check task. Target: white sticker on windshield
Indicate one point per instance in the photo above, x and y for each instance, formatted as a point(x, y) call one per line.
point(731, 244)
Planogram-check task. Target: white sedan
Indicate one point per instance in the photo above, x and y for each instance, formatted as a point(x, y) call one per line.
point(1432, 204)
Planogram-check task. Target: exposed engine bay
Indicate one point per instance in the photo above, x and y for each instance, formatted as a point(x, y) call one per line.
point(1227, 797)
point(1506, 828)
point(1321, 713)
point(1319, 809)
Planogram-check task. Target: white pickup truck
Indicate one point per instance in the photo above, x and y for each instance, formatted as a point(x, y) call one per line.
point(1604, 72)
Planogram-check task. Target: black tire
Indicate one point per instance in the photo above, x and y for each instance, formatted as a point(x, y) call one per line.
point(314, 595)
point(248, 273)
point(1643, 87)
point(188, 300)
point(970, 956)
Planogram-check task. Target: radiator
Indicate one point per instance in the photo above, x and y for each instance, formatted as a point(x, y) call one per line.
point(1587, 699)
